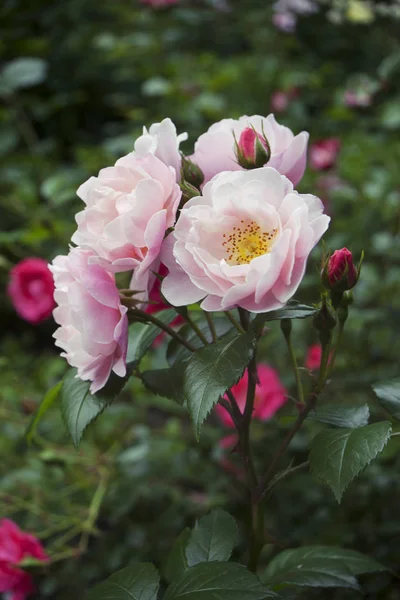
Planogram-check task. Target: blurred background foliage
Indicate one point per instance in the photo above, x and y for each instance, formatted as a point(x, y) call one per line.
point(78, 80)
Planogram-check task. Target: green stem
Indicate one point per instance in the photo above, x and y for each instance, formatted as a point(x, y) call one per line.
point(287, 331)
point(211, 326)
point(335, 350)
point(234, 322)
point(195, 327)
point(143, 316)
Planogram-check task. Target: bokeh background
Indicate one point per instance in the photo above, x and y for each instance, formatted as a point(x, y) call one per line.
point(78, 79)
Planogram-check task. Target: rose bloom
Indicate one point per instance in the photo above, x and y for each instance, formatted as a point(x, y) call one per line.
point(313, 358)
point(162, 140)
point(269, 397)
point(93, 328)
point(15, 545)
point(323, 154)
point(214, 151)
point(31, 289)
point(245, 243)
point(128, 209)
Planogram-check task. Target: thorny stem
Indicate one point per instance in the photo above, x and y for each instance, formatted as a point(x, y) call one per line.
point(143, 316)
point(211, 326)
point(234, 322)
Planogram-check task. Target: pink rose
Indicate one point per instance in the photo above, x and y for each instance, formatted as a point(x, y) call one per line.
point(15, 545)
point(313, 358)
point(129, 207)
point(285, 21)
point(93, 328)
point(214, 151)
point(245, 243)
point(31, 289)
point(323, 154)
point(270, 396)
point(281, 99)
point(162, 141)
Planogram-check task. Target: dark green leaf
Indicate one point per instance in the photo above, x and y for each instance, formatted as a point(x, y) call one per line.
point(142, 335)
point(212, 539)
point(177, 352)
point(137, 582)
point(218, 581)
point(389, 396)
point(214, 369)
point(44, 406)
point(341, 415)
point(319, 566)
point(176, 562)
point(293, 310)
point(24, 72)
point(166, 382)
point(338, 455)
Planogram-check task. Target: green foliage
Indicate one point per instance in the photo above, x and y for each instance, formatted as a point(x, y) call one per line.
point(389, 397)
point(214, 369)
point(212, 539)
point(318, 566)
point(341, 415)
point(177, 562)
point(217, 581)
point(142, 335)
point(44, 406)
point(138, 582)
point(338, 456)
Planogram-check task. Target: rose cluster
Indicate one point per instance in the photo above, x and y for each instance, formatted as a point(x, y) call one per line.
point(225, 224)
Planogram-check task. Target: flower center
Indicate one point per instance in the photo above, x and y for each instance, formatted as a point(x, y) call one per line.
point(246, 242)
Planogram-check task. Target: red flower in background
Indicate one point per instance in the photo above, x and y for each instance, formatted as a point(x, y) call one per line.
point(156, 303)
point(15, 545)
point(323, 154)
point(270, 395)
point(31, 289)
point(313, 358)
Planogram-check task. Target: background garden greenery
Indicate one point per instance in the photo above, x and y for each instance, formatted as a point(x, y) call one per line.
point(78, 79)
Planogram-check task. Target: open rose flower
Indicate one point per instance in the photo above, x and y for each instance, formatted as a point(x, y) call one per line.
point(93, 328)
point(162, 140)
point(128, 209)
point(214, 151)
point(31, 289)
point(269, 397)
point(244, 243)
point(15, 545)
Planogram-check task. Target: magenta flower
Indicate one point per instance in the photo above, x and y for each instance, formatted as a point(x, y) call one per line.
point(31, 289)
point(323, 154)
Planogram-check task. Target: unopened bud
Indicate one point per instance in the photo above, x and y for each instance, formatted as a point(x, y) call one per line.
point(188, 191)
point(191, 173)
point(339, 273)
point(252, 150)
point(325, 318)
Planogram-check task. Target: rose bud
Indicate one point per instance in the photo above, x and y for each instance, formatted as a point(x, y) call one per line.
point(191, 173)
point(253, 150)
point(340, 274)
point(31, 289)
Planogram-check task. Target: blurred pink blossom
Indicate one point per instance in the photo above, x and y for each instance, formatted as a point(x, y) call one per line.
point(313, 358)
point(159, 3)
point(31, 289)
point(15, 545)
point(323, 154)
point(270, 396)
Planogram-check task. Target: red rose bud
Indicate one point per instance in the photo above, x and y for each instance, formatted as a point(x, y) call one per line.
point(252, 150)
point(341, 274)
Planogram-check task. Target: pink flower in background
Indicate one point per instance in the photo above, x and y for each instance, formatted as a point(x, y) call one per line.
point(93, 328)
point(323, 154)
point(270, 396)
point(285, 21)
point(214, 151)
point(15, 545)
point(31, 289)
point(313, 358)
point(281, 99)
point(162, 140)
point(244, 243)
point(129, 207)
point(357, 98)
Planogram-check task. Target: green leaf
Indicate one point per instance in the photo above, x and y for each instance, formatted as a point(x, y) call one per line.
point(338, 455)
point(176, 562)
point(137, 582)
point(177, 352)
point(24, 72)
point(142, 335)
point(218, 581)
point(44, 406)
point(214, 369)
point(389, 396)
point(341, 415)
point(293, 310)
point(213, 538)
point(319, 566)
point(166, 382)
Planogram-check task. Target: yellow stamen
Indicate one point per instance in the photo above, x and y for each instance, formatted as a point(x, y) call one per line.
point(247, 242)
